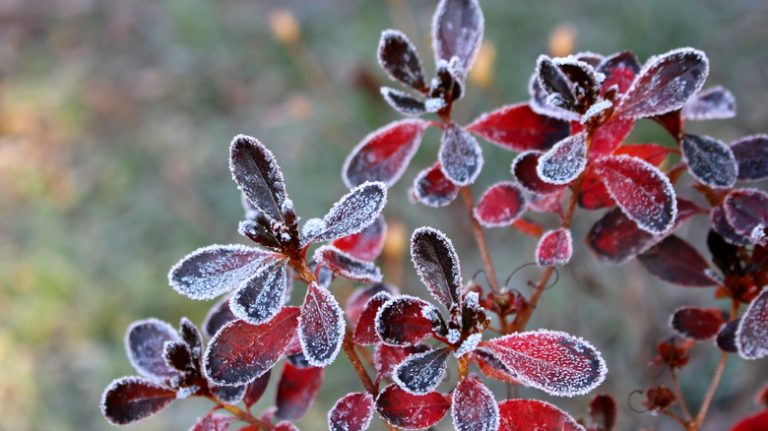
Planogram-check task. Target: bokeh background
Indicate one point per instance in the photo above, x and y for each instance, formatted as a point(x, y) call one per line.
point(115, 117)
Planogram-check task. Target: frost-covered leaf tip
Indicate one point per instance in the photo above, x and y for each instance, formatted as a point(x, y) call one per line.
point(437, 264)
point(354, 212)
point(257, 174)
point(473, 407)
point(352, 412)
point(457, 31)
point(321, 326)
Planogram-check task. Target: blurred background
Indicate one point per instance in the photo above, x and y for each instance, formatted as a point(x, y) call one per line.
point(115, 117)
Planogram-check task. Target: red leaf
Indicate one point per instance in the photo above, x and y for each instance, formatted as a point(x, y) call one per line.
point(130, 399)
point(714, 103)
point(697, 323)
point(518, 128)
point(726, 338)
point(492, 367)
point(751, 153)
point(256, 389)
point(619, 70)
point(551, 203)
point(474, 408)
point(386, 358)
point(593, 194)
point(457, 30)
point(609, 136)
point(603, 412)
point(501, 205)
point(257, 174)
point(564, 162)
point(241, 352)
point(527, 415)
point(752, 332)
point(665, 83)
point(218, 316)
point(384, 154)
point(675, 261)
point(365, 329)
point(437, 264)
point(642, 191)
point(402, 321)
point(651, 153)
point(347, 266)
point(524, 170)
point(321, 326)
point(554, 362)
point(747, 212)
point(411, 412)
point(352, 412)
point(357, 301)
point(432, 188)
point(297, 390)
point(366, 244)
point(213, 422)
point(460, 156)
point(756, 422)
point(555, 247)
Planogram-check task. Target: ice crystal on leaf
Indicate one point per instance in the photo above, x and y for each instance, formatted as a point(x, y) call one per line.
point(432, 188)
point(144, 343)
point(257, 174)
point(746, 211)
point(366, 244)
point(347, 266)
point(365, 328)
point(321, 326)
point(354, 212)
point(130, 399)
point(501, 205)
point(752, 332)
point(519, 128)
point(564, 162)
point(461, 158)
point(714, 103)
point(261, 297)
point(457, 30)
point(398, 56)
point(402, 321)
point(422, 372)
point(352, 412)
point(555, 247)
point(404, 103)
point(473, 407)
point(524, 169)
point(710, 161)
point(213, 422)
point(437, 264)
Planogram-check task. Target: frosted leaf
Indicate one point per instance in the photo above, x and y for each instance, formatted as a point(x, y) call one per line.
point(491, 366)
point(240, 352)
point(554, 82)
point(433, 189)
point(641, 190)
point(384, 154)
point(752, 332)
point(583, 77)
point(365, 327)
point(403, 321)
point(524, 169)
point(387, 357)
point(398, 56)
point(526, 414)
point(347, 266)
point(619, 70)
point(751, 154)
point(454, 335)
point(434, 104)
point(474, 408)
point(352, 412)
point(539, 105)
point(420, 374)
point(312, 228)
point(131, 399)
point(726, 338)
point(564, 162)
point(457, 30)
point(589, 57)
point(460, 156)
point(321, 326)
point(297, 390)
point(229, 394)
point(210, 271)
point(366, 244)
point(403, 102)
point(257, 175)
point(501, 205)
point(261, 297)
point(258, 233)
point(356, 302)
point(595, 111)
point(218, 316)
point(411, 412)
point(550, 203)
point(665, 83)
point(285, 426)
point(192, 338)
point(714, 103)
point(746, 211)
point(469, 344)
point(518, 128)
point(437, 264)
point(250, 211)
point(256, 389)
point(353, 212)
point(177, 356)
point(554, 362)
point(555, 247)
point(144, 344)
point(675, 261)
point(710, 161)
point(213, 422)
point(697, 323)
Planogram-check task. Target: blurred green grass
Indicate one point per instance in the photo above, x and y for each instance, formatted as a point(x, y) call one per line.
point(114, 123)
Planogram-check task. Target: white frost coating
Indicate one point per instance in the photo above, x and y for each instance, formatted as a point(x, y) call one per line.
point(312, 228)
point(368, 414)
point(260, 298)
point(421, 373)
point(422, 186)
point(434, 104)
point(408, 76)
point(444, 286)
point(453, 335)
point(562, 241)
point(469, 344)
point(714, 103)
point(539, 105)
point(353, 212)
point(563, 163)
point(710, 161)
point(346, 265)
point(578, 343)
point(144, 343)
point(460, 156)
point(570, 60)
point(466, 41)
point(186, 392)
point(403, 102)
point(265, 189)
point(127, 380)
point(321, 327)
point(595, 110)
point(210, 271)
point(474, 408)
point(752, 331)
point(426, 310)
point(471, 300)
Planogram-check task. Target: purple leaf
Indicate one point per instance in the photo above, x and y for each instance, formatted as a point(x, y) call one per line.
point(714, 103)
point(473, 407)
point(675, 261)
point(565, 161)
point(258, 176)
point(403, 102)
point(720, 225)
point(746, 211)
point(321, 326)
point(460, 156)
point(144, 343)
point(457, 30)
point(432, 188)
point(229, 394)
point(751, 154)
point(752, 332)
point(130, 399)
point(261, 297)
point(218, 316)
point(420, 373)
point(437, 264)
point(347, 266)
point(399, 58)
point(354, 212)
point(710, 161)
point(539, 102)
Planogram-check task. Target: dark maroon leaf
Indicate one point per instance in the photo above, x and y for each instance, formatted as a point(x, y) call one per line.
point(255, 389)
point(751, 154)
point(358, 300)
point(403, 102)
point(403, 321)
point(555, 83)
point(193, 339)
point(714, 103)
point(603, 412)
point(554, 362)
point(229, 394)
point(354, 212)
point(752, 332)
point(726, 338)
point(384, 154)
point(555, 247)
point(365, 329)
point(347, 266)
point(218, 316)
point(437, 264)
point(501, 205)
point(258, 176)
point(352, 412)
point(261, 297)
point(609, 136)
point(420, 373)
point(130, 399)
point(746, 211)
point(297, 390)
point(411, 412)
point(720, 225)
point(724, 254)
point(710, 161)
point(399, 58)
point(675, 261)
point(460, 156)
point(564, 162)
point(526, 415)
point(473, 407)
point(539, 102)
point(524, 169)
point(386, 358)
point(457, 30)
point(144, 343)
point(697, 323)
point(321, 326)
point(583, 78)
point(433, 189)
point(213, 422)
point(665, 83)
point(519, 128)
point(366, 244)
point(177, 356)
point(240, 352)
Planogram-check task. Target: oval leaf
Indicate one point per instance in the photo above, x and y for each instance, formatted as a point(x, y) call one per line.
point(437, 264)
point(697, 323)
point(525, 415)
point(710, 161)
point(524, 169)
point(421, 373)
point(726, 338)
point(213, 422)
point(519, 128)
point(457, 30)
point(603, 412)
point(145, 342)
point(261, 297)
point(354, 212)
point(403, 321)
point(555, 247)
point(460, 156)
point(321, 326)
point(347, 266)
point(399, 58)
point(714, 103)
point(403, 102)
point(432, 188)
point(474, 408)
point(297, 390)
point(411, 412)
point(258, 176)
point(675, 261)
point(501, 205)
point(352, 412)
point(752, 332)
point(746, 211)
point(751, 154)
point(564, 162)
point(130, 399)
point(366, 244)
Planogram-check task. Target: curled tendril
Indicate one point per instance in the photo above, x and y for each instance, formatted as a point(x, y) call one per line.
point(630, 397)
point(530, 284)
point(477, 274)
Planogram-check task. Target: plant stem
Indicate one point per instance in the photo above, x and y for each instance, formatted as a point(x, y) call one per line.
point(349, 348)
point(482, 245)
point(679, 395)
point(242, 414)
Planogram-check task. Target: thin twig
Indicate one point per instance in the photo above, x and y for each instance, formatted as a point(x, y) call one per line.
point(349, 348)
point(679, 394)
point(482, 245)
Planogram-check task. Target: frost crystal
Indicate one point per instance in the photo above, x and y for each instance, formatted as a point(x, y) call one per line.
point(526, 414)
point(131, 399)
point(595, 110)
point(403, 102)
point(752, 332)
point(353, 412)
point(565, 161)
point(421, 373)
point(460, 156)
point(433, 189)
point(710, 161)
point(347, 266)
point(555, 247)
point(261, 297)
point(474, 408)
point(468, 345)
point(321, 326)
point(353, 212)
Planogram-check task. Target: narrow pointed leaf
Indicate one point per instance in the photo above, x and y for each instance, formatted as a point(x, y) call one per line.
point(501, 205)
point(752, 332)
point(321, 326)
point(457, 30)
point(420, 374)
point(145, 342)
point(674, 260)
point(710, 161)
point(555, 247)
point(525, 415)
point(258, 176)
point(352, 412)
point(354, 212)
point(473, 407)
point(411, 412)
point(297, 390)
point(366, 244)
point(261, 297)
point(437, 264)
point(564, 162)
point(432, 188)
point(519, 128)
point(130, 399)
point(398, 56)
point(751, 154)
point(347, 266)
point(461, 158)
point(554, 82)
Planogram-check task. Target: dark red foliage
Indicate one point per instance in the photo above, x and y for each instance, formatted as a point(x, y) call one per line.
point(432, 188)
point(359, 298)
point(501, 205)
point(674, 352)
point(726, 338)
point(659, 398)
point(297, 390)
point(756, 422)
point(603, 412)
point(746, 211)
point(564, 162)
point(213, 422)
point(751, 154)
point(402, 321)
point(518, 128)
point(346, 265)
point(257, 174)
point(411, 412)
point(256, 389)
point(131, 399)
point(457, 30)
point(492, 367)
point(709, 160)
point(524, 170)
point(386, 358)
point(365, 329)
point(526, 415)
point(474, 408)
point(399, 58)
point(608, 137)
point(555, 248)
point(698, 323)
point(437, 264)
point(366, 244)
point(676, 261)
point(352, 412)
